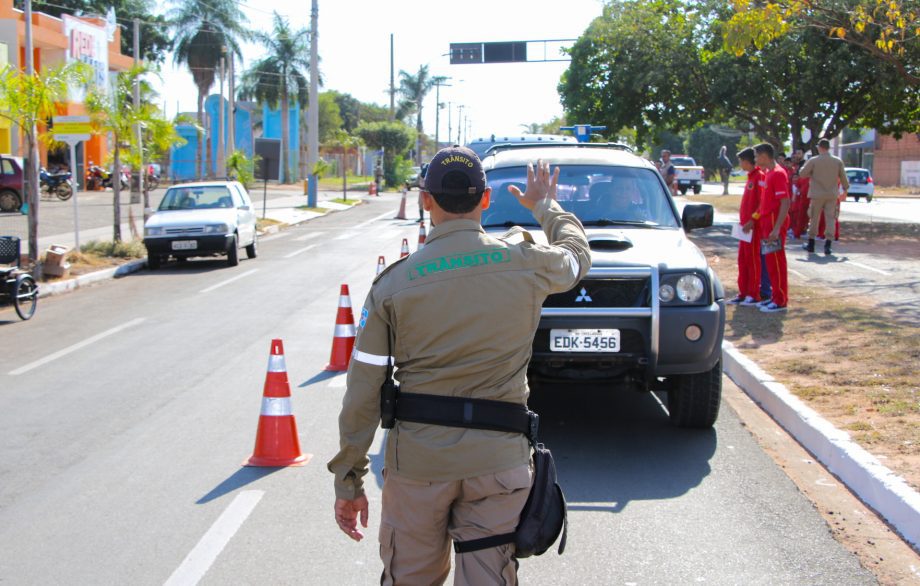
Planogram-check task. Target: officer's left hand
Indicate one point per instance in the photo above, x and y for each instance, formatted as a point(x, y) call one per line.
point(346, 516)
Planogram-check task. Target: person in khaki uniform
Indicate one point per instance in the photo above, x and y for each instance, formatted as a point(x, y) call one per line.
point(458, 319)
point(827, 174)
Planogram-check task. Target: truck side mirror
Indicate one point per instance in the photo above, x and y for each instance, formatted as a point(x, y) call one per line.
point(697, 215)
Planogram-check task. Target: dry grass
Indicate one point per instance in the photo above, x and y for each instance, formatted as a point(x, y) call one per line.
point(263, 223)
point(851, 361)
point(729, 204)
point(911, 191)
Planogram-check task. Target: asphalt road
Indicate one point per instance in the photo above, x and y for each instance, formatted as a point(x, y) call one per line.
point(127, 409)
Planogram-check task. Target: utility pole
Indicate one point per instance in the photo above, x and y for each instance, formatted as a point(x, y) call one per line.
point(32, 149)
point(221, 153)
point(313, 119)
point(459, 123)
point(231, 123)
point(138, 133)
point(450, 128)
point(437, 110)
point(392, 86)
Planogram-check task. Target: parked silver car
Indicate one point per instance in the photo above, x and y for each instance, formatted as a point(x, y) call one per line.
point(201, 219)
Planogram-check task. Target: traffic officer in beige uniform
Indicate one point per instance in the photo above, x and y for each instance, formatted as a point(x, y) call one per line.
point(828, 175)
point(458, 319)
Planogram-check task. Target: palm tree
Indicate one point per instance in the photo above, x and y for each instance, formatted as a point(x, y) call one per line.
point(202, 31)
point(280, 76)
point(532, 128)
point(413, 89)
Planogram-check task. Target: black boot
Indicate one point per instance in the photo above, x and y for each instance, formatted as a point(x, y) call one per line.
point(810, 247)
point(827, 246)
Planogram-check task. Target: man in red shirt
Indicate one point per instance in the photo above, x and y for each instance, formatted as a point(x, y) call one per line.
point(749, 252)
point(773, 221)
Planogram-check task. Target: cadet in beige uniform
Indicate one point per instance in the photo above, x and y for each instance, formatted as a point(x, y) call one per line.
point(827, 174)
point(460, 315)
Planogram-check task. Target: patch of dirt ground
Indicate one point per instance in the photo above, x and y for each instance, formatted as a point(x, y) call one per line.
point(851, 361)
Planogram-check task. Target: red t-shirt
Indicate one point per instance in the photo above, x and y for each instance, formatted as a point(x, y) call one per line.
point(776, 189)
point(753, 189)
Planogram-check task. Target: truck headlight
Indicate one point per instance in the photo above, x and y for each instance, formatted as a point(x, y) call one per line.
point(216, 229)
point(153, 231)
point(690, 288)
point(666, 293)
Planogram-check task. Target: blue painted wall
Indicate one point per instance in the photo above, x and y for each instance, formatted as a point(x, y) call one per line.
point(182, 159)
point(271, 128)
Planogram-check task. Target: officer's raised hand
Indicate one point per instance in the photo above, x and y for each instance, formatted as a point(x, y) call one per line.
point(541, 184)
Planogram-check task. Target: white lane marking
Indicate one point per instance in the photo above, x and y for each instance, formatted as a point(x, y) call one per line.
point(796, 273)
point(300, 251)
point(228, 281)
point(337, 382)
point(868, 268)
point(201, 558)
point(306, 237)
point(75, 347)
point(348, 236)
point(372, 220)
point(275, 236)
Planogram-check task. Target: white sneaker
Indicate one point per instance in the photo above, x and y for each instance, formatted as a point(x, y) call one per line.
point(763, 302)
point(772, 308)
point(749, 301)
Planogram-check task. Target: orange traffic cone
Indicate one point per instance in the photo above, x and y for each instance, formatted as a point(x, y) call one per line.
point(343, 341)
point(276, 438)
point(404, 251)
point(381, 264)
point(401, 215)
point(421, 235)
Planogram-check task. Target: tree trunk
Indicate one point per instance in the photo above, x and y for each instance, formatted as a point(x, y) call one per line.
point(208, 142)
point(418, 137)
point(198, 151)
point(285, 139)
point(32, 196)
point(116, 187)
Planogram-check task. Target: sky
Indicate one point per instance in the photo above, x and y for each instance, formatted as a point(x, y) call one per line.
point(354, 49)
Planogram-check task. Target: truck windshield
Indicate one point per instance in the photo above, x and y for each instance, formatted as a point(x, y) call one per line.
point(598, 195)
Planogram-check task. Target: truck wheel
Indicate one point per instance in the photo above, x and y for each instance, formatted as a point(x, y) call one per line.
point(694, 399)
point(697, 189)
point(683, 190)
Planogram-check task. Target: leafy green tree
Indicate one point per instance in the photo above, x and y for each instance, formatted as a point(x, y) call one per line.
point(330, 118)
point(413, 88)
point(345, 142)
point(373, 113)
point(665, 139)
point(349, 110)
point(662, 64)
point(394, 138)
point(888, 30)
point(281, 76)
point(202, 31)
point(115, 113)
point(154, 40)
point(26, 101)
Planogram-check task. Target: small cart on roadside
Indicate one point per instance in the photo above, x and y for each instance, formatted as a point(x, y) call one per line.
point(16, 285)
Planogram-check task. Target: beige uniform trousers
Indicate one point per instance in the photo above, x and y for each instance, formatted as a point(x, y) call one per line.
point(829, 206)
point(420, 518)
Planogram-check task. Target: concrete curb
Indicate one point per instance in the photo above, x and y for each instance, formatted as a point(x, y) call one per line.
point(46, 289)
point(877, 486)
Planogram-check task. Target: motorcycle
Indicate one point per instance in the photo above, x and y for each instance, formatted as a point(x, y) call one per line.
point(151, 179)
point(56, 183)
point(97, 177)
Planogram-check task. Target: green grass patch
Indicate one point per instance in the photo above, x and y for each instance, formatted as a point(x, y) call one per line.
point(318, 210)
point(348, 202)
point(108, 248)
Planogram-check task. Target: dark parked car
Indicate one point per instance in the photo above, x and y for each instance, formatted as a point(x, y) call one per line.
point(11, 183)
point(650, 315)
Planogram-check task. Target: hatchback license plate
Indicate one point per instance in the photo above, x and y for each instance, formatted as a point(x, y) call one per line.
point(184, 244)
point(584, 340)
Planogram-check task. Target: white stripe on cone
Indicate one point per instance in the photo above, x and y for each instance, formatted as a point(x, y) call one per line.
point(276, 363)
point(276, 406)
point(344, 330)
point(344, 301)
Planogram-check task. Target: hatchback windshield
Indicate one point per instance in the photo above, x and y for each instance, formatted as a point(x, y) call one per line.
point(197, 197)
point(598, 195)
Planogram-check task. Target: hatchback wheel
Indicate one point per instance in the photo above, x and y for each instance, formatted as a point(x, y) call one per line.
point(233, 254)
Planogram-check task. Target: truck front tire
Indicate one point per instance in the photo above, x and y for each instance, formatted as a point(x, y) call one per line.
point(694, 399)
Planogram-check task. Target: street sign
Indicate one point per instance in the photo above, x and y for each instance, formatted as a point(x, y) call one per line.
point(71, 129)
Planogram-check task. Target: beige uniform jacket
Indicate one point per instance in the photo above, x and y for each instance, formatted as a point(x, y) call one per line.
point(463, 312)
point(825, 172)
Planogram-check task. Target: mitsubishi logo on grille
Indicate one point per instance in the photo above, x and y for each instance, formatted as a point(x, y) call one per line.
point(583, 296)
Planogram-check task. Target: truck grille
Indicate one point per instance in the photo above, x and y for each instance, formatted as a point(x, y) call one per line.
point(603, 293)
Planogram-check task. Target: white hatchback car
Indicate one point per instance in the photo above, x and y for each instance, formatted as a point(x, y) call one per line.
point(861, 184)
point(201, 219)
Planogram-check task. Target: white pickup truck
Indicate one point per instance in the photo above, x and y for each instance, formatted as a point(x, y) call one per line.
point(689, 174)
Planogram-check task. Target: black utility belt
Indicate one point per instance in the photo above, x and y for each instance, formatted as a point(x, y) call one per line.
point(456, 412)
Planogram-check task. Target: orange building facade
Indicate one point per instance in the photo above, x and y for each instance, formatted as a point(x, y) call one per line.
point(57, 41)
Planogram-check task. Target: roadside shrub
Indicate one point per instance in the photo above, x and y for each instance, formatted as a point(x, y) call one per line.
point(124, 249)
point(241, 168)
